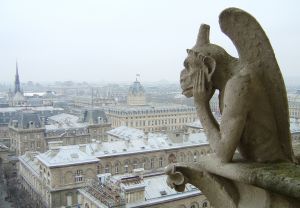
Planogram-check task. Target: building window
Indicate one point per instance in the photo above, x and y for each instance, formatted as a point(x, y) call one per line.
point(195, 205)
point(135, 164)
point(144, 164)
point(181, 158)
point(160, 162)
point(126, 168)
point(152, 163)
point(195, 156)
point(106, 170)
point(98, 169)
point(117, 169)
point(78, 176)
point(205, 204)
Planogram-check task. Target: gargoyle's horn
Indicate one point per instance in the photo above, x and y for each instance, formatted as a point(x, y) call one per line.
point(203, 35)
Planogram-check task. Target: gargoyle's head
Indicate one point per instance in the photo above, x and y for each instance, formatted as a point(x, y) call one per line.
point(195, 62)
point(203, 56)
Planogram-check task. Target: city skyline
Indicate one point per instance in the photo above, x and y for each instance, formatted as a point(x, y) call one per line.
point(112, 41)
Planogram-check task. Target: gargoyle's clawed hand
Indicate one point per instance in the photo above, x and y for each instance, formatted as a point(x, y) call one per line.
point(202, 88)
point(175, 178)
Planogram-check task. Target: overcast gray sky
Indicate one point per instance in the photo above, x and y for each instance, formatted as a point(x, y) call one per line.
point(96, 40)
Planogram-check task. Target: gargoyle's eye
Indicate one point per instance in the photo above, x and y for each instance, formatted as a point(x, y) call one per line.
point(186, 64)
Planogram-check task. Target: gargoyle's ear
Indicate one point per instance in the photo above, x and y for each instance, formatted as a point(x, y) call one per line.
point(210, 63)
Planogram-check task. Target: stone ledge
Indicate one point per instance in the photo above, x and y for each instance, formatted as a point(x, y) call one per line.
point(280, 178)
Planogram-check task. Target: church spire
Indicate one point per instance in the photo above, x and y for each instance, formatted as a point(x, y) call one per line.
point(17, 80)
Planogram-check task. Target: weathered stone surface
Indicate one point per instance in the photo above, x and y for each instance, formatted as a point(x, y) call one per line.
point(240, 184)
point(252, 95)
point(255, 120)
point(281, 178)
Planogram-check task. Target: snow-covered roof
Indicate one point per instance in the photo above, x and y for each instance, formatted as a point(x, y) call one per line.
point(73, 154)
point(155, 142)
point(124, 132)
point(39, 108)
point(64, 117)
point(66, 155)
point(3, 147)
point(64, 121)
point(156, 189)
point(31, 94)
point(28, 160)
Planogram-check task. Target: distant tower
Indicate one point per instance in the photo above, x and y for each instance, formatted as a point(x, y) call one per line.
point(18, 99)
point(136, 94)
point(17, 80)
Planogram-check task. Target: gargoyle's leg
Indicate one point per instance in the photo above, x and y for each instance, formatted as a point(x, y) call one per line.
point(219, 191)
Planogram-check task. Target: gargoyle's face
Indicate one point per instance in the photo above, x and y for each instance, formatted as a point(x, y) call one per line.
point(192, 64)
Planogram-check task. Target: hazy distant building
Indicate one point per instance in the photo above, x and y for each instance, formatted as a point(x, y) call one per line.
point(88, 102)
point(149, 117)
point(6, 114)
point(26, 131)
point(98, 124)
point(136, 94)
point(16, 98)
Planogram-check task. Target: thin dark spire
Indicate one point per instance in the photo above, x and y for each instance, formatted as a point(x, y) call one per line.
point(17, 80)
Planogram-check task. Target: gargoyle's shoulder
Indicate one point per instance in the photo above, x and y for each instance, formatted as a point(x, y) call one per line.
point(240, 80)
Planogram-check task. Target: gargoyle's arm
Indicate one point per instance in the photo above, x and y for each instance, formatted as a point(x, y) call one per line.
point(225, 138)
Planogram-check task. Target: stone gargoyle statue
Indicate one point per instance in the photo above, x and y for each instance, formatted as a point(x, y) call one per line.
point(254, 121)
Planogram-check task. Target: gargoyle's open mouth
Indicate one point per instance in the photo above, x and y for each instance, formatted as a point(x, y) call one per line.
point(187, 89)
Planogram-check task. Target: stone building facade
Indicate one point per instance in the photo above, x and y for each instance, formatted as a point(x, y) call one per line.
point(294, 104)
point(62, 169)
point(53, 183)
point(152, 118)
point(28, 132)
point(8, 113)
point(149, 117)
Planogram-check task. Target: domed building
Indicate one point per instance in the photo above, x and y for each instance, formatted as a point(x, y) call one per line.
point(149, 117)
point(136, 94)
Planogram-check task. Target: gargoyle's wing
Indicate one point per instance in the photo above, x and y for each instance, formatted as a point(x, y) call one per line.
point(255, 50)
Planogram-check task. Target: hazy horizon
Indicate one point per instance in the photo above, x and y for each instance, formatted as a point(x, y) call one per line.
point(112, 41)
